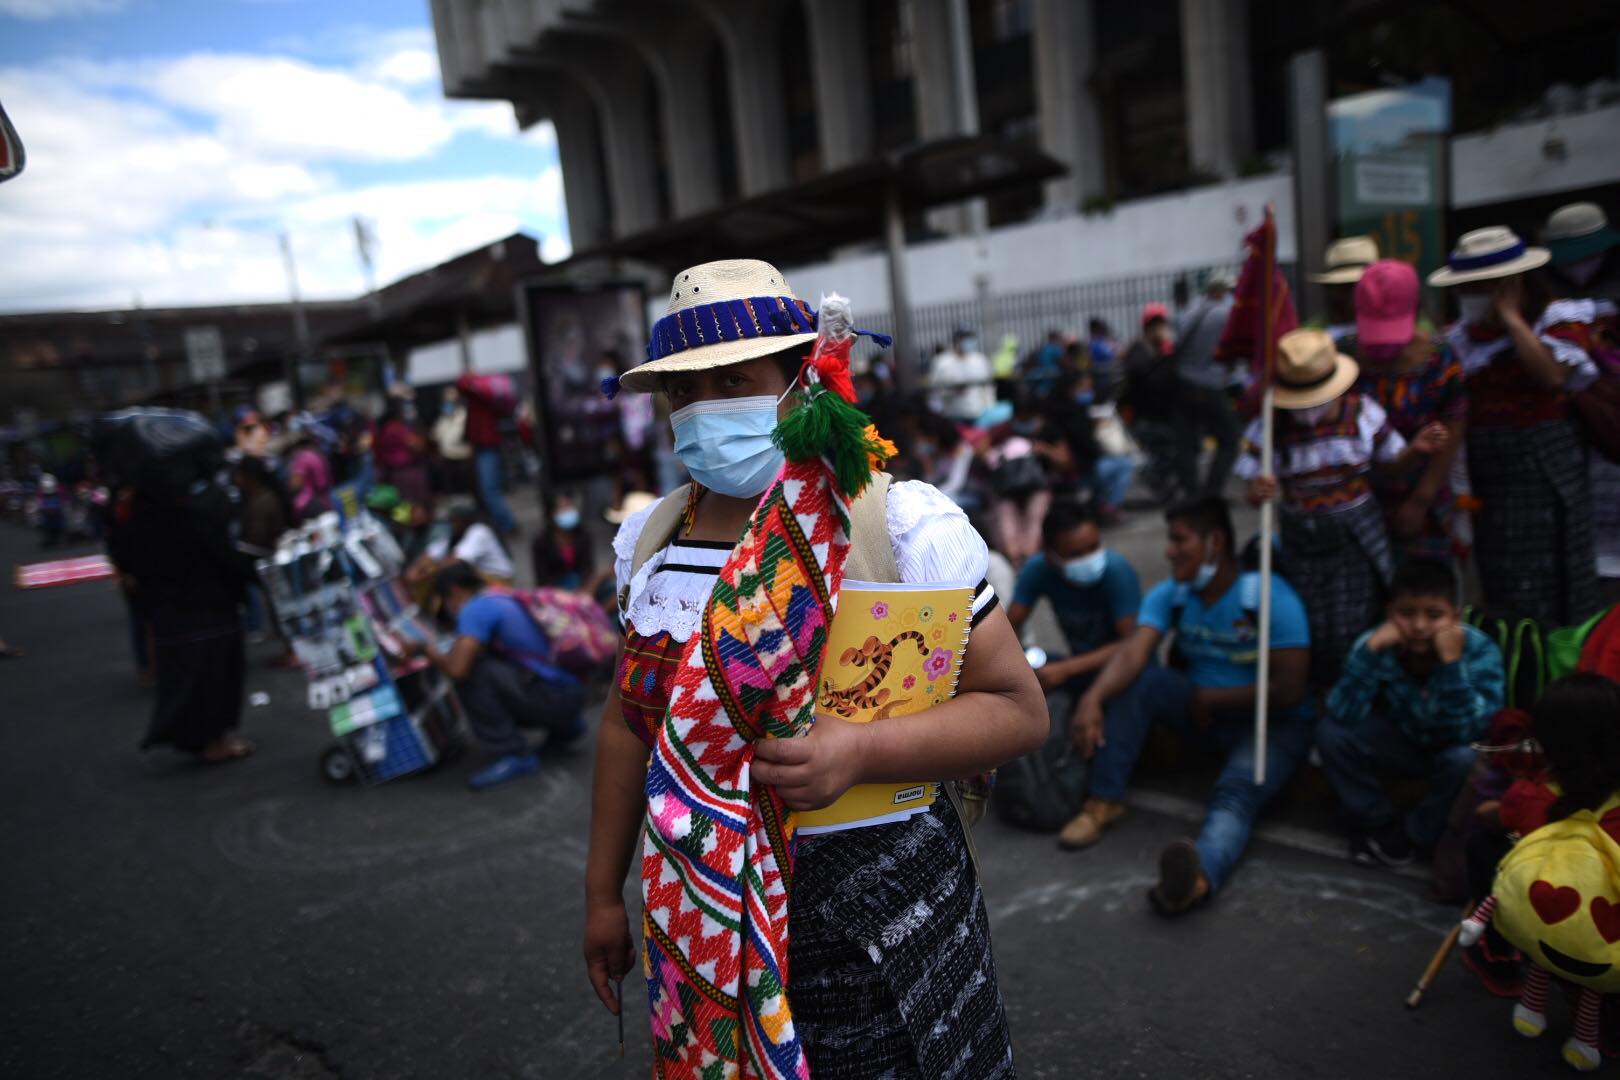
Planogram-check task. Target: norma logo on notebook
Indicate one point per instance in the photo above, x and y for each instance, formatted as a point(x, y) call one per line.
point(905, 795)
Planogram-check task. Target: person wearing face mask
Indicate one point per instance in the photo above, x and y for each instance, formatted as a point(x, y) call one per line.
point(1329, 437)
point(1584, 266)
point(1206, 697)
point(1095, 595)
point(1418, 381)
point(865, 994)
point(962, 380)
point(1523, 356)
point(563, 553)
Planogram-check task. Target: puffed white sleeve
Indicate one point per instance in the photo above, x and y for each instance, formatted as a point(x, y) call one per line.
point(624, 545)
point(933, 539)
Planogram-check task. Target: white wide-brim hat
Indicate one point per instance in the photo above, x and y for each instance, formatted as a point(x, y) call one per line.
point(1346, 260)
point(1492, 252)
point(1311, 370)
point(722, 313)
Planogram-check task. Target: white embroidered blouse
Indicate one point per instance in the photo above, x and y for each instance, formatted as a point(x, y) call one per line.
point(933, 542)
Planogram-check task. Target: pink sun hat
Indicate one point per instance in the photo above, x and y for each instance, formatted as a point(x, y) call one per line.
point(1386, 303)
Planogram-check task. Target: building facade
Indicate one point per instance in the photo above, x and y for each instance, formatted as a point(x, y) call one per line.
point(1171, 116)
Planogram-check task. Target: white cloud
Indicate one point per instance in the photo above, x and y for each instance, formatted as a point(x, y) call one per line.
point(127, 162)
point(40, 10)
point(407, 67)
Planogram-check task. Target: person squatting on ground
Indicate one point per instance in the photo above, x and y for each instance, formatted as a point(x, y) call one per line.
point(871, 992)
point(1328, 439)
point(1414, 696)
point(1207, 698)
point(501, 662)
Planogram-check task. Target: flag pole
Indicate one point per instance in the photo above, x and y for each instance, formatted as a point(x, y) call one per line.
point(1268, 509)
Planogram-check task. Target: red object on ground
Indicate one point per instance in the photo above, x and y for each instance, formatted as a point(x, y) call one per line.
point(64, 572)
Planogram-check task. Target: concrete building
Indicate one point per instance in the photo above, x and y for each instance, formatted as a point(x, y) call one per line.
point(1171, 117)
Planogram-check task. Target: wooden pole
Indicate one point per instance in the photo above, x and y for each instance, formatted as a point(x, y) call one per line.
point(1268, 525)
point(1437, 961)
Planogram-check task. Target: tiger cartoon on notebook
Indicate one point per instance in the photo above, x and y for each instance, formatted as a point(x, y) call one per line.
point(865, 694)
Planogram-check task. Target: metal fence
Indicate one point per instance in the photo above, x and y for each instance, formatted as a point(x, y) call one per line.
point(1030, 315)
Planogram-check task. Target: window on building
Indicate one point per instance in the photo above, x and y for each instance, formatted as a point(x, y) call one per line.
point(888, 63)
point(1139, 90)
point(725, 131)
point(1004, 84)
point(804, 139)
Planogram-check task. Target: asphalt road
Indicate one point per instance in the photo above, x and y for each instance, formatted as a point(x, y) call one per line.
point(164, 919)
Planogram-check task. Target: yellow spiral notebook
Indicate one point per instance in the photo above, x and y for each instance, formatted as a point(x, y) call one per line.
point(892, 650)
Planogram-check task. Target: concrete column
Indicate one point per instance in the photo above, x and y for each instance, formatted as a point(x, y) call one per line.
point(843, 87)
point(751, 33)
point(573, 113)
point(1215, 82)
point(943, 90)
point(1065, 43)
point(619, 84)
point(678, 48)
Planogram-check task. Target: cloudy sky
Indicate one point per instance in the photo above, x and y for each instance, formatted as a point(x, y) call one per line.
point(168, 141)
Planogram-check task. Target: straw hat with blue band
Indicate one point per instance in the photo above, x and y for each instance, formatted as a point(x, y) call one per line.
point(723, 313)
point(1578, 231)
point(1492, 252)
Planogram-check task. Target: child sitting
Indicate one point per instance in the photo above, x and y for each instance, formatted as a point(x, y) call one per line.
point(1414, 695)
point(1328, 438)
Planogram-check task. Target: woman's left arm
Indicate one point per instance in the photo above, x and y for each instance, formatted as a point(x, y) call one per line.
point(998, 714)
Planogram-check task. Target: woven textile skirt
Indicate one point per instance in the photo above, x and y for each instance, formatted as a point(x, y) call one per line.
point(1339, 563)
point(1533, 535)
point(200, 672)
point(890, 970)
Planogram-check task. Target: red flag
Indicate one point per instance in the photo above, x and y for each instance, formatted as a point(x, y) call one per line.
point(1262, 312)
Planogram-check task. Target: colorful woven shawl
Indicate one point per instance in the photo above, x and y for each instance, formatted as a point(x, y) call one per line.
point(717, 863)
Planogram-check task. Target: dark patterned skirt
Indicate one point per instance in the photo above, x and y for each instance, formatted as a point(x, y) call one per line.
point(1339, 563)
point(890, 970)
point(1533, 533)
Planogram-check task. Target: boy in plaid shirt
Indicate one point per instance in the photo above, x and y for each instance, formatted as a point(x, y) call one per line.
point(1413, 695)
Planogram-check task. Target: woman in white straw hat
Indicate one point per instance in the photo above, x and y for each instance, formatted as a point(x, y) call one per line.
point(1522, 358)
point(1329, 437)
point(1585, 266)
point(1345, 260)
point(870, 990)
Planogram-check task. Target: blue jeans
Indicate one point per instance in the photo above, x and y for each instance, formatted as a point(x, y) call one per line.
point(1160, 695)
point(1114, 480)
point(487, 460)
point(1352, 756)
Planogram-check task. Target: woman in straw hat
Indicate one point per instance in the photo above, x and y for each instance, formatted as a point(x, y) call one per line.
point(1328, 439)
point(1522, 358)
point(771, 955)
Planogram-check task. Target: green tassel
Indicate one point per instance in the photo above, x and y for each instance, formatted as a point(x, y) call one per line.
point(829, 427)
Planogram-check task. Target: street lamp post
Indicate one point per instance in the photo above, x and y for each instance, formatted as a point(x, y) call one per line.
point(290, 365)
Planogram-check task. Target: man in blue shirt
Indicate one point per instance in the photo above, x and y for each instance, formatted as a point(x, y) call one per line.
point(1212, 607)
point(501, 664)
point(1095, 595)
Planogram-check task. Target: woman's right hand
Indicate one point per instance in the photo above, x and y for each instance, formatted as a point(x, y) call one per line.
point(1262, 488)
point(609, 949)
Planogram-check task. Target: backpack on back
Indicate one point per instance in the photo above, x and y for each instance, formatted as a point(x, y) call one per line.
point(583, 640)
point(1533, 654)
point(1558, 899)
point(1043, 789)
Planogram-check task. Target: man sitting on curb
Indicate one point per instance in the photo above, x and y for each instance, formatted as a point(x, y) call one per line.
point(1213, 609)
point(500, 664)
point(1414, 695)
point(1095, 595)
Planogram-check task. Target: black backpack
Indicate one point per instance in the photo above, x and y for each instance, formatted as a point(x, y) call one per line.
point(1043, 789)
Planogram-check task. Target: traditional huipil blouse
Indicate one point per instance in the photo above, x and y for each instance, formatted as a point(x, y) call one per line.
point(1324, 467)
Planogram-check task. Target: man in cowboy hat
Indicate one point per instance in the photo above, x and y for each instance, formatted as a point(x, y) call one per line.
point(1581, 247)
point(1347, 258)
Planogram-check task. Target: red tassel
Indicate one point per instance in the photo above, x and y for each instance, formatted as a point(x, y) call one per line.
point(832, 365)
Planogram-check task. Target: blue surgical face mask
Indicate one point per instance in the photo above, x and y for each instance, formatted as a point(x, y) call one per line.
point(1088, 569)
point(567, 518)
point(1206, 571)
point(726, 445)
point(1084, 397)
